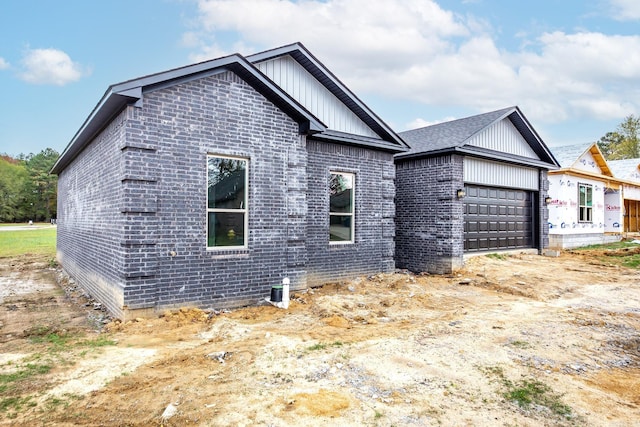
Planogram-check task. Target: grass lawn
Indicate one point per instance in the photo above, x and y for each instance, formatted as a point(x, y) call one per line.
point(39, 241)
point(623, 253)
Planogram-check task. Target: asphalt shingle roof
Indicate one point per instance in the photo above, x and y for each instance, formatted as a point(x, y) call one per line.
point(449, 134)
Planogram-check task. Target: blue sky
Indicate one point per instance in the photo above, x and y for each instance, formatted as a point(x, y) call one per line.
point(573, 67)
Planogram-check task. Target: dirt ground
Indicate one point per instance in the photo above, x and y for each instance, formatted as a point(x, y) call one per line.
point(386, 350)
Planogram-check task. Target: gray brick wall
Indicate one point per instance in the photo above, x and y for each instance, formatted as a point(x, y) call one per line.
point(179, 126)
point(90, 222)
point(373, 249)
point(133, 203)
point(429, 217)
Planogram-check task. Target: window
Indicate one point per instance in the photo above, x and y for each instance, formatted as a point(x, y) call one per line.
point(585, 204)
point(341, 209)
point(226, 202)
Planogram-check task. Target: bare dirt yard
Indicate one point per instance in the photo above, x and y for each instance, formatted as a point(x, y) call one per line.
point(513, 340)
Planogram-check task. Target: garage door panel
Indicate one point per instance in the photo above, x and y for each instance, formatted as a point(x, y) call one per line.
point(498, 219)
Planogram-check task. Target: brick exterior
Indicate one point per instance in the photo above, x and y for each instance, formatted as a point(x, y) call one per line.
point(373, 248)
point(90, 224)
point(429, 217)
point(132, 205)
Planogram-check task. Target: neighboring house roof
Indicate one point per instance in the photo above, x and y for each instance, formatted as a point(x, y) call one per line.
point(456, 136)
point(569, 154)
point(569, 157)
point(628, 169)
point(131, 92)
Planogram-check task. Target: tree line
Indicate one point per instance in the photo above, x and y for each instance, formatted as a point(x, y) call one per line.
point(28, 192)
point(624, 142)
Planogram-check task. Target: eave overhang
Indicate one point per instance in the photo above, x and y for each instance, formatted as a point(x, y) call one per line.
point(357, 140)
point(131, 92)
point(609, 181)
point(481, 153)
point(600, 160)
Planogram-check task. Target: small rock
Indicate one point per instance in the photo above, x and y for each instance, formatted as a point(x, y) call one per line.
point(169, 411)
point(466, 281)
point(219, 356)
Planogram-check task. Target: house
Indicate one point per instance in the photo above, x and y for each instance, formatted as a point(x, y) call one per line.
point(585, 206)
point(469, 186)
point(628, 171)
point(208, 184)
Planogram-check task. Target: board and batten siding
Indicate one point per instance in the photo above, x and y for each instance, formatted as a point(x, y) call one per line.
point(287, 73)
point(495, 174)
point(505, 138)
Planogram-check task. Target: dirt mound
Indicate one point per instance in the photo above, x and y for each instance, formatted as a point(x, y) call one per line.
point(388, 349)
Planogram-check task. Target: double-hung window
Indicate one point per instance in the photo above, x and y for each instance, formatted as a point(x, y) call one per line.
point(227, 184)
point(585, 203)
point(341, 207)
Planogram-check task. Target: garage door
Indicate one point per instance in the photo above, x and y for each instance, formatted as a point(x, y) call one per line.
point(498, 218)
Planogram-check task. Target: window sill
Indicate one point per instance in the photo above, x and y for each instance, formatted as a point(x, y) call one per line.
point(217, 253)
point(341, 244)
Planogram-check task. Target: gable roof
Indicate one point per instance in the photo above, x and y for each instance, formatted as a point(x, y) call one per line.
point(325, 77)
point(455, 136)
point(568, 156)
point(131, 92)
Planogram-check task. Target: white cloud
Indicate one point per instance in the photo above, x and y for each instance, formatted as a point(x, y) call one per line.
point(573, 71)
point(3, 64)
point(415, 50)
point(626, 10)
point(353, 32)
point(50, 66)
point(420, 122)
